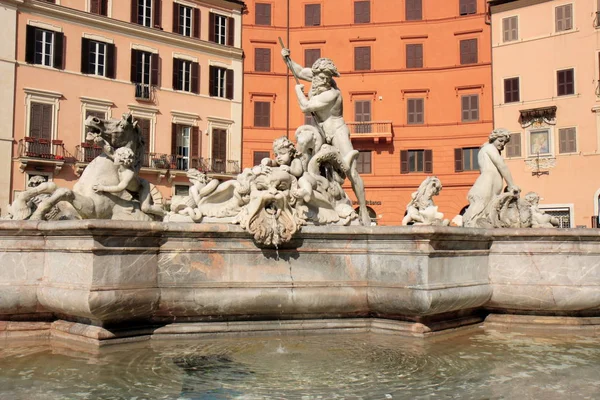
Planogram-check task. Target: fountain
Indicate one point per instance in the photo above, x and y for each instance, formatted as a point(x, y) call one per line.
point(280, 250)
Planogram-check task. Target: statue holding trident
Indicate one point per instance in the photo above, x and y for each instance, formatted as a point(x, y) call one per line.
point(325, 104)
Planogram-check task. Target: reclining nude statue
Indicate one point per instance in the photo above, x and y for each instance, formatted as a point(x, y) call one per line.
point(107, 185)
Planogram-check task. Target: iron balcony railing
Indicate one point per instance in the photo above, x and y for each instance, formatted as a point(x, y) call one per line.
point(43, 149)
point(86, 152)
point(370, 127)
point(143, 91)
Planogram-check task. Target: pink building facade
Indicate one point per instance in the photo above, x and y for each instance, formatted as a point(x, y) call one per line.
point(546, 92)
point(175, 65)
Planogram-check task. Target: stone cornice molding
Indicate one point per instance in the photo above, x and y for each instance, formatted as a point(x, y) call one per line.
point(123, 27)
point(43, 93)
point(92, 100)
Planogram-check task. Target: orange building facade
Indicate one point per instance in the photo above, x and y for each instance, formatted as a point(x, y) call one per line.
point(175, 65)
point(416, 81)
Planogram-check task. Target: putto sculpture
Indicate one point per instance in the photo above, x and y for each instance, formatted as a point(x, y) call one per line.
point(421, 210)
point(539, 219)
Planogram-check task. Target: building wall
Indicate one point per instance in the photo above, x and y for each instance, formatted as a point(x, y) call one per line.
point(388, 84)
point(568, 179)
point(73, 91)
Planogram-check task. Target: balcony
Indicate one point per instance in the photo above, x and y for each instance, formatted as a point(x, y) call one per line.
point(377, 131)
point(85, 153)
point(42, 152)
point(143, 92)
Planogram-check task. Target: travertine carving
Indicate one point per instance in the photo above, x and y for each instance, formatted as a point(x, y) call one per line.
point(421, 210)
point(105, 187)
point(489, 207)
point(539, 219)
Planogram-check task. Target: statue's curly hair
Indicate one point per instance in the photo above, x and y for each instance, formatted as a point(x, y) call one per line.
point(125, 154)
point(325, 65)
point(193, 173)
point(285, 143)
point(498, 133)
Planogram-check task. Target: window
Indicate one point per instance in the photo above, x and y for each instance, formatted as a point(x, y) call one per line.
point(362, 114)
point(221, 82)
point(99, 7)
point(144, 125)
point(186, 76)
point(563, 214)
point(143, 13)
point(97, 58)
point(259, 155)
point(468, 51)
point(44, 47)
point(510, 29)
point(467, 7)
point(567, 140)
point(182, 19)
point(416, 161)
point(362, 58)
point(312, 15)
point(539, 142)
point(263, 14)
point(415, 111)
point(466, 159)
point(262, 114)
point(362, 12)
point(144, 72)
point(184, 145)
point(565, 80)
point(414, 56)
point(310, 56)
point(262, 60)
point(363, 162)
point(470, 108)
point(564, 17)
point(511, 90)
point(41, 120)
point(182, 190)
point(221, 29)
point(219, 150)
point(513, 147)
point(414, 10)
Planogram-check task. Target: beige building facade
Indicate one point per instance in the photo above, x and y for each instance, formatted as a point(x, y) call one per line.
point(545, 63)
point(175, 65)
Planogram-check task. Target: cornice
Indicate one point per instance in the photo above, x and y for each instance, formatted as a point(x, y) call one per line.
point(115, 25)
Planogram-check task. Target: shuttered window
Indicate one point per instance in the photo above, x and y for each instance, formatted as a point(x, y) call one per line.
point(362, 58)
point(40, 121)
point(263, 14)
point(262, 60)
point(564, 17)
point(567, 140)
point(186, 20)
point(416, 161)
point(262, 114)
point(362, 12)
point(414, 56)
point(362, 113)
point(510, 29)
point(470, 108)
point(259, 155)
point(44, 47)
point(186, 75)
point(310, 56)
point(97, 58)
point(363, 162)
point(565, 82)
point(99, 7)
point(414, 10)
point(221, 29)
point(513, 147)
point(219, 150)
point(467, 7)
point(468, 51)
point(312, 15)
point(415, 111)
point(511, 90)
point(465, 159)
point(144, 125)
point(220, 82)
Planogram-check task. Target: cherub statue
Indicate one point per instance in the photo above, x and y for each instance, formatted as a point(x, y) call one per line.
point(539, 219)
point(421, 210)
point(124, 157)
point(201, 187)
point(26, 202)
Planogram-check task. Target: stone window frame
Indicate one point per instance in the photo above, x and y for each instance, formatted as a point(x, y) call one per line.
point(44, 97)
point(93, 104)
point(219, 123)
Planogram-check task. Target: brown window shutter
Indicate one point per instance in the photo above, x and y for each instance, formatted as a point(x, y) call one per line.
point(458, 160)
point(428, 161)
point(176, 11)
point(173, 139)
point(95, 6)
point(561, 81)
point(157, 11)
point(507, 91)
point(506, 29)
point(211, 27)
point(310, 56)
point(195, 141)
point(134, 11)
point(559, 19)
point(195, 78)
point(465, 108)
point(230, 31)
point(46, 125)
point(85, 55)
point(30, 44)
point(211, 81)
point(404, 162)
point(176, 66)
point(196, 23)
point(134, 60)
point(154, 67)
point(229, 84)
point(110, 61)
point(35, 120)
point(104, 7)
point(144, 125)
point(562, 146)
point(317, 20)
point(474, 53)
point(259, 155)
point(59, 39)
